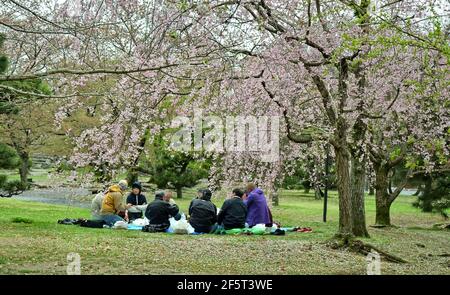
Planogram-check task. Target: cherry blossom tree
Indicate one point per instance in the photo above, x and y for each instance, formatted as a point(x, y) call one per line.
point(118, 59)
point(414, 137)
point(329, 68)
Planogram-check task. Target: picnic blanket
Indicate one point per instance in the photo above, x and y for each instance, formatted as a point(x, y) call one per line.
point(242, 231)
point(183, 227)
point(134, 227)
point(259, 230)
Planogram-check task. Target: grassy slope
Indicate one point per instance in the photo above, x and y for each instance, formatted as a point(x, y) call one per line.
point(42, 246)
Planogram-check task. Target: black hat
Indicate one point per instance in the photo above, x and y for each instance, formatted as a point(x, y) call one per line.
point(238, 192)
point(136, 184)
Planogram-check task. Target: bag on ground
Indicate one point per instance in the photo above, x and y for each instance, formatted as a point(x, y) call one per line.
point(120, 225)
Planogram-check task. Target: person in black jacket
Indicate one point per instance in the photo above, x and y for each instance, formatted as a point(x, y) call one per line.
point(135, 198)
point(233, 212)
point(203, 213)
point(158, 213)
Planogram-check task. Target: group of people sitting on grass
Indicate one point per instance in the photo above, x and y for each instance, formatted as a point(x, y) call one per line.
point(241, 209)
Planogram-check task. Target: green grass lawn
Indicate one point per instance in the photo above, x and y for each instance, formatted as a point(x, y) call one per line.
point(41, 247)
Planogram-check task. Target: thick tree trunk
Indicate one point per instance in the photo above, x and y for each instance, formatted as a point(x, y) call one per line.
point(382, 202)
point(384, 195)
point(24, 169)
point(344, 191)
point(179, 192)
point(358, 208)
point(383, 216)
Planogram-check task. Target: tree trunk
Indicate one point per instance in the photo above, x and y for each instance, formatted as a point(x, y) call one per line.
point(382, 204)
point(179, 192)
point(318, 193)
point(358, 209)
point(344, 191)
point(371, 190)
point(306, 186)
point(426, 200)
point(24, 169)
point(383, 216)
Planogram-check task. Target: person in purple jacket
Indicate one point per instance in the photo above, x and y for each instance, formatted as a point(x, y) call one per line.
point(258, 211)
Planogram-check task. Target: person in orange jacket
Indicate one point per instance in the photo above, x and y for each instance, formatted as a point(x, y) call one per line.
point(113, 204)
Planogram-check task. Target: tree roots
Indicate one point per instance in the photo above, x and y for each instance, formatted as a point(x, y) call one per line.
point(360, 247)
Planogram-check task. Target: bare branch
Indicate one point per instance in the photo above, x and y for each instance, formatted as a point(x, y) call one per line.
point(326, 98)
point(319, 14)
point(40, 95)
point(394, 194)
point(26, 31)
point(391, 3)
point(303, 138)
point(83, 72)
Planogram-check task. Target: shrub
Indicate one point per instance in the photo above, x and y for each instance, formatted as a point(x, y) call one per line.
point(21, 220)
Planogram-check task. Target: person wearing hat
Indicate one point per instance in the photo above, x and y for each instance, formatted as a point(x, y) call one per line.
point(203, 213)
point(112, 203)
point(135, 200)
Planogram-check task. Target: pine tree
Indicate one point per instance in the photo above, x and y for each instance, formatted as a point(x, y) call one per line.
point(175, 170)
point(435, 196)
point(5, 106)
point(9, 160)
point(8, 157)
point(11, 112)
